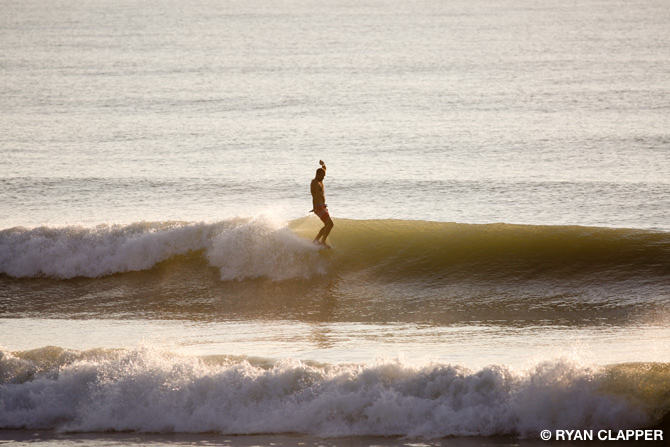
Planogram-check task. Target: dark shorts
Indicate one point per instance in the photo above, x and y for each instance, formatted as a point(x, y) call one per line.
point(322, 212)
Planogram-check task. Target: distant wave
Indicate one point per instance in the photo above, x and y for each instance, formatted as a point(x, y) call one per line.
point(145, 390)
point(245, 248)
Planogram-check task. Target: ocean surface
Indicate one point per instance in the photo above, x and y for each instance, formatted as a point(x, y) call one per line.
point(498, 176)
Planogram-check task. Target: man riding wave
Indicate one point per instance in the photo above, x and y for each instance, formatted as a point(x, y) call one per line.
point(319, 205)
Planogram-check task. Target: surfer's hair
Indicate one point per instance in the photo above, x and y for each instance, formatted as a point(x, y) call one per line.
point(320, 171)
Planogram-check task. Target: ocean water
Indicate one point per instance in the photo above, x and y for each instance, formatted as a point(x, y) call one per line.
point(498, 175)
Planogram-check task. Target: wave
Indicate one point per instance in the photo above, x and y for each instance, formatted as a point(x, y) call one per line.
point(240, 248)
point(145, 390)
point(263, 247)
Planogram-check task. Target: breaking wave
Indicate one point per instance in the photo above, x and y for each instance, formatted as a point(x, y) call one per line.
point(240, 248)
point(146, 390)
point(245, 248)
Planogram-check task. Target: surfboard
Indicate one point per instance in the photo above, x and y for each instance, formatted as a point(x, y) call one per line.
point(322, 246)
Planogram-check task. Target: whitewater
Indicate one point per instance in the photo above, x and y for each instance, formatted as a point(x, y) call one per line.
point(499, 180)
point(147, 391)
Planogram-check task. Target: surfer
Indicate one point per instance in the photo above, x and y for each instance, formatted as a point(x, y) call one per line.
point(320, 207)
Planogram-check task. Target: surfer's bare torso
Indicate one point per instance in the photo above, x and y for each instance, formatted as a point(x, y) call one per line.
point(318, 194)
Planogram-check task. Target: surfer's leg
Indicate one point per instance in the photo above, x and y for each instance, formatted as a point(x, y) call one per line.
point(322, 212)
point(318, 236)
point(326, 230)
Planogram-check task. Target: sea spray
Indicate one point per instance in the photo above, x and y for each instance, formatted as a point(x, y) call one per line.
point(263, 247)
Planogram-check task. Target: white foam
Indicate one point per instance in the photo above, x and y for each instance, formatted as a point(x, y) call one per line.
point(68, 252)
point(241, 248)
point(150, 391)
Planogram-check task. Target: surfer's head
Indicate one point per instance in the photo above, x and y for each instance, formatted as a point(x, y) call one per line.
point(320, 174)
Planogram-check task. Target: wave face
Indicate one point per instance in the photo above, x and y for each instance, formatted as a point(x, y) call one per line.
point(146, 390)
point(433, 251)
point(381, 270)
point(245, 248)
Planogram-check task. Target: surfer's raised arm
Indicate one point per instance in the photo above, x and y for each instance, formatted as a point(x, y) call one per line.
point(323, 165)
